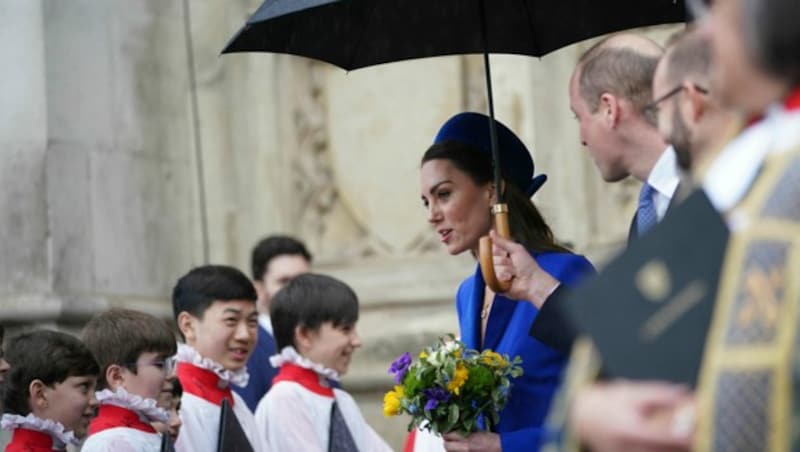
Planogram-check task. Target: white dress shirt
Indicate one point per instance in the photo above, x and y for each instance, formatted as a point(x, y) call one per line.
point(664, 178)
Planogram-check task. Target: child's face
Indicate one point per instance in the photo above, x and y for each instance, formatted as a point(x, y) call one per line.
point(331, 346)
point(71, 403)
point(172, 404)
point(226, 333)
point(149, 377)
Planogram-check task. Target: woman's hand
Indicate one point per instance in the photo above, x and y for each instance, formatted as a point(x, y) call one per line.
point(480, 441)
point(528, 280)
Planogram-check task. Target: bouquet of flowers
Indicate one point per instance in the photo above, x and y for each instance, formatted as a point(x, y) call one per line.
point(451, 388)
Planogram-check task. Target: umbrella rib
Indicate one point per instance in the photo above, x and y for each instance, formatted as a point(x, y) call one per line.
point(357, 49)
point(537, 48)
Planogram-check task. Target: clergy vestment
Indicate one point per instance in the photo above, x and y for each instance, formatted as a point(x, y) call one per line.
point(748, 396)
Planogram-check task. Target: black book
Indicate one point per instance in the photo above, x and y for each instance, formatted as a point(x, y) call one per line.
point(648, 312)
point(231, 436)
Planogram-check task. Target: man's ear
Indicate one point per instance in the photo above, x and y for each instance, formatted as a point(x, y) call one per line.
point(610, 109)
point(37, 396)
point(186, 324)
point(114, 377)
point(697, 101)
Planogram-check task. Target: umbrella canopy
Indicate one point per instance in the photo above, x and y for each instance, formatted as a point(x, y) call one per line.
point(353, 34)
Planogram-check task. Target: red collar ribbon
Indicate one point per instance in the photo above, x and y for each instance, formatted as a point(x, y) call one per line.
point(307, 378)
point(203, 383)
point(26, 440)
point(112, 416)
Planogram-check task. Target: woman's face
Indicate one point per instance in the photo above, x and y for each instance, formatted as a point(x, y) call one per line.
point(458, 208)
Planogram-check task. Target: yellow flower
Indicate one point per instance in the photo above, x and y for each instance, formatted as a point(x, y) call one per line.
point(391, 401)
point(494, 359)
point(460, 377)
point(457, 353)
point(423, 355)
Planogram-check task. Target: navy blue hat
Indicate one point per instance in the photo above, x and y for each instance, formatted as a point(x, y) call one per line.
point(473, 129)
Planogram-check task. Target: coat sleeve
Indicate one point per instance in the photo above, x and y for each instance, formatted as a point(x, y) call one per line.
point(551, 327)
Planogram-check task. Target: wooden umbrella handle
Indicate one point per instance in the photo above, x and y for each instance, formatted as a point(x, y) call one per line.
point(500, 213)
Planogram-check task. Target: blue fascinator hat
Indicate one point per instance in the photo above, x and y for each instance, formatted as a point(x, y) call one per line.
point(516, 162)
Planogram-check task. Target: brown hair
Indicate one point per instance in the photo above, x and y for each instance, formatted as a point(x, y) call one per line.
point(120, 336)
point(527, 224)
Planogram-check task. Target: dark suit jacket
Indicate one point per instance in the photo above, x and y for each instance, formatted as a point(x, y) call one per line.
point(553, 328)
point(260, 370)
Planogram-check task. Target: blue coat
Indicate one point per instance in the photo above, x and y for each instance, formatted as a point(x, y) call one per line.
point(522, 421)
point(260, 370)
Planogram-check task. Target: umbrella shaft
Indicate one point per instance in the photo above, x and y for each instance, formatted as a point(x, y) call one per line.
point(490, 102)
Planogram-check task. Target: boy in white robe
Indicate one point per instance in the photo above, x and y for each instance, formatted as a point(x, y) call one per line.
point(48, 394)
point(135, 352)
point(314, 319)
point(215, 309)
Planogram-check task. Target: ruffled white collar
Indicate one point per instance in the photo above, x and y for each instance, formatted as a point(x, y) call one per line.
point(55, 429)
point(290, 355)
point(187, 354)
point(146, 408)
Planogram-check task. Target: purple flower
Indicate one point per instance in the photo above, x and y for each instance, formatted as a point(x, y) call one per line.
point(435, 395)
point(400, 366)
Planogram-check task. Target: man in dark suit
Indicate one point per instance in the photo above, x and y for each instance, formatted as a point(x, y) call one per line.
point(275, 261)
point(608, 90)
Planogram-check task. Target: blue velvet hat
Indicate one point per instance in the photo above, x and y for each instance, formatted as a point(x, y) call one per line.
point(473, 129)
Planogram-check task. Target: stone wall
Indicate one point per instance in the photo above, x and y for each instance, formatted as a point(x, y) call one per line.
point(133, 151)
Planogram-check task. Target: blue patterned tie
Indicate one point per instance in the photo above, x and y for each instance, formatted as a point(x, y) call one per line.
point(340, 439)
point(646, 216)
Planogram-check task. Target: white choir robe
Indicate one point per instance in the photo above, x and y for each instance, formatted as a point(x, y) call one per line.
point(295, 416)
point(122, 439)
point(200, 412)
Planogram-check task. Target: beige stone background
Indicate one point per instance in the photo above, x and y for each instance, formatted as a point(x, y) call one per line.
point(132, 151)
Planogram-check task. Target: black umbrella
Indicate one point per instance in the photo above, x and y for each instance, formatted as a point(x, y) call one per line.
point(353, 34)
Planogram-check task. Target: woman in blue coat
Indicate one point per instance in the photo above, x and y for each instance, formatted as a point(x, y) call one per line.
point(457, 190)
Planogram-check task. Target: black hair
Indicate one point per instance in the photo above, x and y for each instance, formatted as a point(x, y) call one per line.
point(272, 247)
point(49, 356)
point(197, 290)
point(528, 227)
point(308, 301)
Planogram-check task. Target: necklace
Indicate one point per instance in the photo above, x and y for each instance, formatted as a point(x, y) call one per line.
point(485, 311)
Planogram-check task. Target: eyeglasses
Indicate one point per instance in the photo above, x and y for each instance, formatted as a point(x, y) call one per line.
point(167, 365)
point(652, 107)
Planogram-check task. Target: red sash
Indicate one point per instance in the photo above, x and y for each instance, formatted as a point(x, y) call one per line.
point(25, 440)
point(792, 101)
point(112, 416)
point(307, 378)
point(203, 383)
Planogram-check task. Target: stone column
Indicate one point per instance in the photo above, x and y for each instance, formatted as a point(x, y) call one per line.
point(24, 275)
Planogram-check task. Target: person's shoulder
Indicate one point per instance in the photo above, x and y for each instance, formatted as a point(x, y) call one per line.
point(568, 268)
